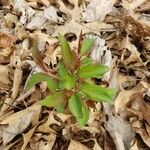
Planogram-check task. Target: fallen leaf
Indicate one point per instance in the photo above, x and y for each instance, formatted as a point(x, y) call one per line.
point(16, 82)
point(15, 128)
point(46, 126)
point(26, 137)
point(49, 143)
point(98, 9)
point(4, 78)
point(121, 132)
point(124, 97)
point(26, 11)
point(76, 145)
point(139, 107)
point(6, 40)
point(18, 122)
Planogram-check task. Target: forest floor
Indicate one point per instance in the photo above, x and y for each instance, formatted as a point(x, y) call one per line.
point(122, 32)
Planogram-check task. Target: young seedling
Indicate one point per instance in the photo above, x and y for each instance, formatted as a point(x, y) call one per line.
point(71, 86)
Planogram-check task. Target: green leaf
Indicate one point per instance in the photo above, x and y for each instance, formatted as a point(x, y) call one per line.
point(66, 80)
point(39, 77)
point(69, 82)
point(67, 55)
point(60, 108)
point(92, 70)
point(98, 93)
point(55, 100)
point(75, 106)
point(85, 116)
point(86, 61)
point(86, 45)
point(49, 101)
point(62, 70)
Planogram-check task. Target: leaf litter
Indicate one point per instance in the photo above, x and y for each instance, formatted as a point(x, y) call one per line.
point(122, 33)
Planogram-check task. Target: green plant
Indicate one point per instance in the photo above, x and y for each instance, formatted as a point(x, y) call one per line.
point(70, 85)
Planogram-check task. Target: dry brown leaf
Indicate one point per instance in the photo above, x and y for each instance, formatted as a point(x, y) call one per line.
point(144, 133)
point(26, 11)
point(121, 132)
point(136, 28)
point(26, 137)
point(4, 75)
point(7, 104)
point(124, 96)
point(6, 40)
point(49, 143)
point(19, 121)
point(130, 6)
point(139, 107)
point(74, 145)
point(6, 46)
point(46, 126)
point(16, 82)
point(10, 19)
point(16, 127)
point(44, 2)
point(98, 9)
point(135, 55)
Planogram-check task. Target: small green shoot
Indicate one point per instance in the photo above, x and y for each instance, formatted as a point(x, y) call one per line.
point(71, 86)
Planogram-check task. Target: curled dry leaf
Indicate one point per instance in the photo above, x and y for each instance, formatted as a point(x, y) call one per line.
point(135, 55)
point(139, 107)
point(16, 83)
point(6, 40)
point(6, 45)
point(144, 132)
point(124, 96)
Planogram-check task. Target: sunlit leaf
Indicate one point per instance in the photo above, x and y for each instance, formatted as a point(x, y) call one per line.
point(86, 45)
point(62, 71)
point(55, 100)
point(85, 116)
point(98, 93)
point(86, 61)
point(92, 70)
point(75, 106)
point(39, 77)
point(49, 101)
point(69, 82)
point(66, 80)
point(67, 55)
